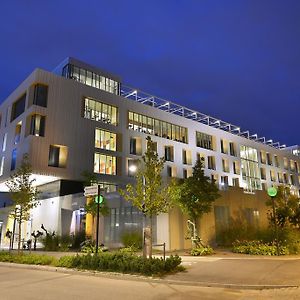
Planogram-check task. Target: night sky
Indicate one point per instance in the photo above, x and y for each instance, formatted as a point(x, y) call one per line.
point(235, 60)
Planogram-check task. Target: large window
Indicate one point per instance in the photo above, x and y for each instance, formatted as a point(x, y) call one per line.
point(156, 127)
point(18, 107)
point(40, 95)
point(204, 140)
point(105, 139)
point(58, 156)
point(250, 170)
point(99, 111)
point(105, 164)
point(92, 79)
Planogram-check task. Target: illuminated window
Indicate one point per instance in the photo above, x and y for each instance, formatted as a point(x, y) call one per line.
point(169, 153)
point(201, 156)
point(285, 163)
point(58, 156)
point(225, 165)
point(280, 177)
point(2, 165)
point(4, 142)
point(236, 167)
point(171, 171)
point(272, 175)
point(250, 170)
point(101, 112)
point(148, 125)
point(224, 146)
point(232, 149)
point(235, 182)
point(18, 132)
point(104, 164)
point(105, 139)
point(276, 161)
point(211, 162)
point(263, 173)
point(269, 159)
point(91, 79)
point(186, 157)
point(263, 158)
point(135, 146)
point(37, 125)
point(204, 140)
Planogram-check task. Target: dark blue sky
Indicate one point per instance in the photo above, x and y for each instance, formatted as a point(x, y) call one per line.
point(235, 60)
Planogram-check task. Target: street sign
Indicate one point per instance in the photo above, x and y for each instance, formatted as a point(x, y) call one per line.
point(272, 191)
point(91, 190)
point(101, 199)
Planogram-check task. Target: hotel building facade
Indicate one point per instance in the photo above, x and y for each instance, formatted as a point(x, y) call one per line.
point(79, 118)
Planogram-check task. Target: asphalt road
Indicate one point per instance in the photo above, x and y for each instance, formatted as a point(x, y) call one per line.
point(22, 283)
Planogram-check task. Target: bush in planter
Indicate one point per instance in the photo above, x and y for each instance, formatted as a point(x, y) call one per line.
point(123, 262)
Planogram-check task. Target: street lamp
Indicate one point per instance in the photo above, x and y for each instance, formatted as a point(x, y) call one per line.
point(133, 169)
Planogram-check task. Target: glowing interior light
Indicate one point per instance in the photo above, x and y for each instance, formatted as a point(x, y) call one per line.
point(133, 168)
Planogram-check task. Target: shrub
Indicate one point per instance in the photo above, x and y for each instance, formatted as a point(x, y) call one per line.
point(132, 239)
point(115, 262)
point(89, 246)
point(78, 238)
point(258, 248)
point(51, 242)
point(201, 251)
point(65, 242)
point(31, 259)
point(122, 262)
point(130, 249)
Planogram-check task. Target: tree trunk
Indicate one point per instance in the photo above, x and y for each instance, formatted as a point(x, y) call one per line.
point(150, 238)
point(147, 239)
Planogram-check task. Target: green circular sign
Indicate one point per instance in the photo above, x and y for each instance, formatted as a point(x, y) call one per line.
point(99, 200)
point(272, 191)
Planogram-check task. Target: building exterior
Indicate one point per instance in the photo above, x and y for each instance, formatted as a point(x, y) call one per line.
point(80, 118)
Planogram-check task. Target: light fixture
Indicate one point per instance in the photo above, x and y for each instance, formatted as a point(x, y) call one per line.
point(132, 168)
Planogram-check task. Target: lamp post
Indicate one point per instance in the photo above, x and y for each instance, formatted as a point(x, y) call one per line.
point(272, 192)
point(133, 170)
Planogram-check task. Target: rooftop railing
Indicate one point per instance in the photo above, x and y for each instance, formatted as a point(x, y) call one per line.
point(176, 109)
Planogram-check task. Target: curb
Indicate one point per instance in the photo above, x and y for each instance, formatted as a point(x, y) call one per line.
point(132, 277)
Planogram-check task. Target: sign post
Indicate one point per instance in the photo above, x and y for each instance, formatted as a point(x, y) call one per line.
point(95, 190)
point(272, 192)
point(98, 217)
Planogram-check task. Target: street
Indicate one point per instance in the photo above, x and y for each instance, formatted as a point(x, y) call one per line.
point(24, 283)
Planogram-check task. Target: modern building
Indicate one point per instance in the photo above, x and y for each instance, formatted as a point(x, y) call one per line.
point(79, 118)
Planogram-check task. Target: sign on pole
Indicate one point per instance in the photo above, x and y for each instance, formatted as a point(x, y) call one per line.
point(91, 190)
